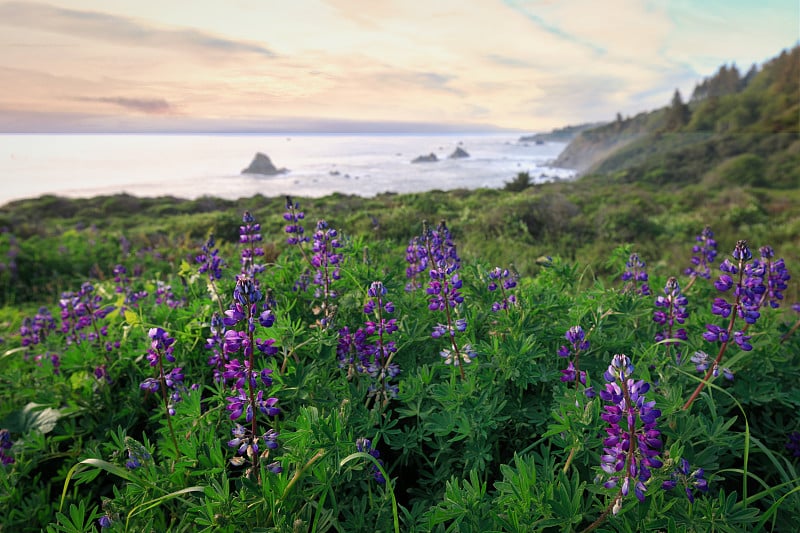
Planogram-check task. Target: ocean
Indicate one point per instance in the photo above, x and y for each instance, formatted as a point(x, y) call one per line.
point(191, 166)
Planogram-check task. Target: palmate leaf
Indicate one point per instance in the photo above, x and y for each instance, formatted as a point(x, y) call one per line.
point(77, 521)
point(32, 417)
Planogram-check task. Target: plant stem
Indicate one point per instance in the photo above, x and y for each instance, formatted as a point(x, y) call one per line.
point(715, 364)
point(163, 381)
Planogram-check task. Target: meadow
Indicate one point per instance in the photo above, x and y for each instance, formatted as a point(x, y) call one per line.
point(444, 365)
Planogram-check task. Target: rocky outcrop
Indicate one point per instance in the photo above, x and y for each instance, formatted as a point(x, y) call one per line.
point(458, 153)
point(262, 165)
point(430, 158)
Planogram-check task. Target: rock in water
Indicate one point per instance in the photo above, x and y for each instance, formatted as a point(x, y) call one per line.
point(458, 153)
point(262, 165)
point(430, 158)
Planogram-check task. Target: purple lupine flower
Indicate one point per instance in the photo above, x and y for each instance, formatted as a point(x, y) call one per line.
point(465, 355)
point(775, 277)
point(577, 343)
point(417, 259)
point(633, 444)
point(101, 374)
point(247, 381)
point(216, 344)
point(364, 445)
point(247, 447)
point(294, 225)
point(249, 236)
point(161, 350)
point(690, 480)
point(370, 350)
point(671, 310)
point(444, 292)
point(326, 260)
point(80, 312)
point(793, 443)
point(35, 330)
point(636, 276)
point(505, 281)
point(165, 296)
point(5, 446)
point(209, 260)
point(105, 522)
point(746, 297)
point(705, 251)
point(138, 455)
point(703, 361)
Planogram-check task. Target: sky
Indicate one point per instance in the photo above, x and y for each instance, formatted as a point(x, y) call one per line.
point(372, 65)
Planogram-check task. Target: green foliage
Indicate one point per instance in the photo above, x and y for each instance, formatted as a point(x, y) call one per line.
point(508, 448)
point(520, 183)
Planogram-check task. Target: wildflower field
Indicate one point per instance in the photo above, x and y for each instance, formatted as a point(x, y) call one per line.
point(305, 379)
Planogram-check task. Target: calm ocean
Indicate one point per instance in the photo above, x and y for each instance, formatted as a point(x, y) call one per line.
point(190, 166)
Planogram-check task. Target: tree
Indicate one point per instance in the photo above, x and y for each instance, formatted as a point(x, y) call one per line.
point(678, 114)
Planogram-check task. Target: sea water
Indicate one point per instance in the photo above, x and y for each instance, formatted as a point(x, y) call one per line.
point(191, 166)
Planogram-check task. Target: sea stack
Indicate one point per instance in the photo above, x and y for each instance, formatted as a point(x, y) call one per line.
point(458, 153)
point(262, 165)
point(430, 158)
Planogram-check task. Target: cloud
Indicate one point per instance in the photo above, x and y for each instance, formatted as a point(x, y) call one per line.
point(555, 29)
point(150, 106)
point(120, 30)
point(508, 61)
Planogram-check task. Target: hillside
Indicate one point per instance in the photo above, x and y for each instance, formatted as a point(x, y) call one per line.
point(734, 128)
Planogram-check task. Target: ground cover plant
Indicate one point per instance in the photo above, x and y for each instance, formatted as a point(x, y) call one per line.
point(299, 377)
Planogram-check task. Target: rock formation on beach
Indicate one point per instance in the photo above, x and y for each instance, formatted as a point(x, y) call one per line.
point(262, 165)
point(430, 158)
point(458, 153)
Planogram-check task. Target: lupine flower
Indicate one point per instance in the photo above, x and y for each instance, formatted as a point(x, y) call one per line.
point(326, 261)
point(775, 277)
point(137, 454)
point(123, 286)
point(705, 251)
point(249, 236)
point(465, 355)
point(505, 281)
point(294, 227)
point(702, 361)
point(688, 479)
point(105, 521)
point(365, 446)
point(209, 260)
point(633, 443)
point(444, 292)
point(417, 259)
point(164, 295)
point(370, 351)
point(101, 374)
point(577, 344)
point(635, 274)
point(248, 448)
point(746, 297)
point(81, 311)
point(793, 444)
point(247, 396)
point(161, 349)
point(671, 310)
point(215, 343)
point(34, 331)
point(5, 445)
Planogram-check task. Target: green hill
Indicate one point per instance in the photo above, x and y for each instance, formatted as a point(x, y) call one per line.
point(740, 130)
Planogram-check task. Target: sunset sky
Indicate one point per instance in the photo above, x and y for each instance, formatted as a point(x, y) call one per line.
point(323, 65)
